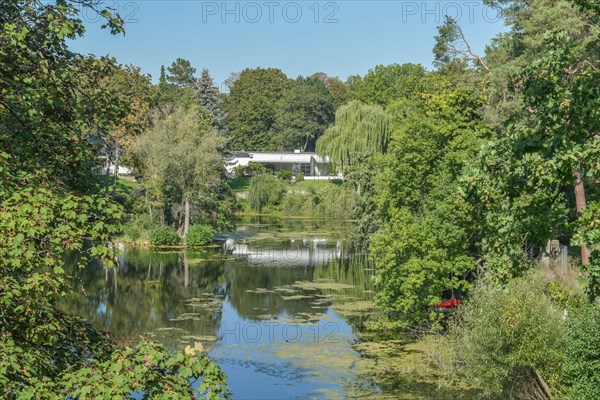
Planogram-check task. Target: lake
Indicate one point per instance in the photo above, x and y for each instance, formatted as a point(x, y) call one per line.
point(278, 304)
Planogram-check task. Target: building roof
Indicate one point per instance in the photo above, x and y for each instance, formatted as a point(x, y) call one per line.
point(278, 157)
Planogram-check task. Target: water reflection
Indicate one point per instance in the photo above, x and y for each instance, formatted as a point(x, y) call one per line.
point(274, 305)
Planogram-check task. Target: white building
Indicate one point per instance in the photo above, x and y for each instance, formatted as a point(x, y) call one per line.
point(311, 165)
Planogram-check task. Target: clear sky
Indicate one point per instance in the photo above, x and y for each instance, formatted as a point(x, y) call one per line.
point(340, 38)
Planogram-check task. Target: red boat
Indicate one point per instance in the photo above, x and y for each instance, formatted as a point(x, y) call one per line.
point(452, 303)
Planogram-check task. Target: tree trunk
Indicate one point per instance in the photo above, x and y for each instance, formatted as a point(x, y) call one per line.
point(116, 177)
point(580, 205)
point(106, 174)
point(186, 220)
point(547, 393)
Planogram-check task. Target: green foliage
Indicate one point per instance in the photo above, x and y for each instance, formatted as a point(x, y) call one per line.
point(337, 201)
point(299, 178)
point(419, 258)
point(361, 176)
point(265, 190)
point(177, 88)
point(430, 147)
point(182, 162)
point(285, 175)
point(164, 236)
point(580, 375)
point(588, 231)
point(51, 101)
point(338, 90)
point(209, 97)
point(138, 227)
point(518, 185)
point(251, 107)
point(358, 129)
point(504, 336)
point(200, 235)
point(387, 83)
point(132, 232)
point(249, 170)
point(452, 52)
point(425, 244)
point(507, 56)
point(33, 105)
point(240, 184)
point(303, 114)
point(255, 168)
point(147, 368)
point(181, 73)
point(239, 171)
point(329, 201)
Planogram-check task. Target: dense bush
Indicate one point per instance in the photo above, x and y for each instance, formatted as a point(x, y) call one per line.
point(163, 236)
point(239, 170)
point(337, 201)
point(265, 190)
point(132, 232)
point(138, 227)
point(200, 235)
point(333, 201)
point(285, 175)
point(299, 178)
point(580, 375)
point(295, 204)
point(507, 337)
point(252, 169)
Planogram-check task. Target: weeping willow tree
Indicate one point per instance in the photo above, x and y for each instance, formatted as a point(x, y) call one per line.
point(359, 129)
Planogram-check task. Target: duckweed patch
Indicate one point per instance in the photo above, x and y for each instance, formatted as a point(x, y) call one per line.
point(321, 285)
point(296, 297)
point(355, 308)
point(208, 302)
point(260, 290)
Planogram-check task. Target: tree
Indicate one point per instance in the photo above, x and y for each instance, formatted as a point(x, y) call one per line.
point(135, 91)
point(338, 90)
point(336, 87)
point(425, 246)
point(251, 107)
point(181, 158)
point(384, 84)
point(511, 52)
point(50, 101)
point(181, 74)
point(232, 79)
point(207, 94)
point(359, 129)
point(176, 88)
point(452, 45)
point(551, 144)
point(162, 80)
point(511, 342)
point(303, 114)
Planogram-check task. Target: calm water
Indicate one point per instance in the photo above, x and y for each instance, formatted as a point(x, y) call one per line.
point(278, 304)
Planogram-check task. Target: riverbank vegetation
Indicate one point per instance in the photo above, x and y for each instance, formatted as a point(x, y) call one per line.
point(459, 179)
point(496, 155)
point(55, 104)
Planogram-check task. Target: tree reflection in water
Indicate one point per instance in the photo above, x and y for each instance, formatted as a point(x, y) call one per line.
point(265, 274)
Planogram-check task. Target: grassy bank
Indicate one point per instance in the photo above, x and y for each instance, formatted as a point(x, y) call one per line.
point(242, 184)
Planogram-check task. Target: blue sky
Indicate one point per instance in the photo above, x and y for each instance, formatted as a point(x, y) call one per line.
point(340, 38)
